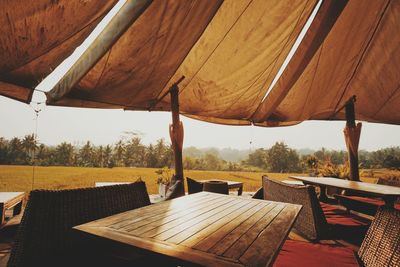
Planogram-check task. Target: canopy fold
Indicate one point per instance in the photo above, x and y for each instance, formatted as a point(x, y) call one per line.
point(228, 51)
point(230, 68)
point(359, 57)
point(133, 72)
point(37, 36)
point(229, 57)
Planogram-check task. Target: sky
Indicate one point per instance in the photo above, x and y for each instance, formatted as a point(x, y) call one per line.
point(77, 125)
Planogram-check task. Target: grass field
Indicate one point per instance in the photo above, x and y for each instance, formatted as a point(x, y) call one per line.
point(20, 178)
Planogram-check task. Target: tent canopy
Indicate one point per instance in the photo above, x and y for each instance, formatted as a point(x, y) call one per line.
point(229, 53)
point(37, 36)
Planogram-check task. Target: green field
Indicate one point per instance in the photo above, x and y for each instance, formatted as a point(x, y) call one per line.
point(20, 178)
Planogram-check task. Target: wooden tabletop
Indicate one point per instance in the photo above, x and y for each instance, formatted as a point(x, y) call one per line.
point(98, 184)
point(9, 196)
point(374, 189)
point(204, 228)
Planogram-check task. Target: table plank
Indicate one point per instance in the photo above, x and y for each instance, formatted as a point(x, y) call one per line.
point(6, 197)
point(240, 246)
point(167, 213)
point(261, 249)
point(9, 200)
point(216, 231)
point(151, 229)
point(221, 217)
point(125, 217)
point(233, 237)
point(164, 248)
point(225, 236)
point(375, 189)
point(167, 230)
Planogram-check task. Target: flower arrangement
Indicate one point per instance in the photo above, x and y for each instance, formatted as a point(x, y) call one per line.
point(163, 180)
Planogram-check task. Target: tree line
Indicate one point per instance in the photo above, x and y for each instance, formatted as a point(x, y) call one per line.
point(133, 153)
point(130, 153)
point(281, 158)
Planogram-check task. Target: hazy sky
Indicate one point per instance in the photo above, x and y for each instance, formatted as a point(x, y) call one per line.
point(76, 125)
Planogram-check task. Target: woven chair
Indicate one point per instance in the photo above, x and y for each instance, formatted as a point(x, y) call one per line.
point(380, 247)
point(174, 191)
point(45, 236)
point(311, 221)
point(259, 194)
point(193, 186)
point(314, 222)
point(216, 187)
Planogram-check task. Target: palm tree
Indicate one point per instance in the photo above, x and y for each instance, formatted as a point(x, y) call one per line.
point(65, 154)
point(108, 158)
point(86, 155)
point(119, 151)
point(16, 153)
point(29, 144)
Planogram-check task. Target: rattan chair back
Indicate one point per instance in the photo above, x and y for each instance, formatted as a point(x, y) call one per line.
point(216, 187)
point(45, 236)
point(392, 181)
point(381, 245)
point(259, 194)
point(175, 191)
point(193, 186)
point(311, 221)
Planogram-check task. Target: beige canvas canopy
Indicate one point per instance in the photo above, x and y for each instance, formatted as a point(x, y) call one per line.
point(227, 66)
point(36, 36)
point(359, 57)
point(229, 53)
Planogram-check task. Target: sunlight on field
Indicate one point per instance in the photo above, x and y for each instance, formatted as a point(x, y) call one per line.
point(19, 178)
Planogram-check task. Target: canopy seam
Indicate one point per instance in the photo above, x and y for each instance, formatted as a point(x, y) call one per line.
point(313, 78)
point(202, 65)
point(272, 63)
point(386, 101)
point(103, 70)
point(362, 56)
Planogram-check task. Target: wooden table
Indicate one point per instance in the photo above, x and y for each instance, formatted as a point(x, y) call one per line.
point(98, 184)
point(204, 228)
point(388, 193)
point(231, 184)
point(10, 200)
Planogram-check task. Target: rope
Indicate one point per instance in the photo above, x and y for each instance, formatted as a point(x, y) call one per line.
point(37, 111)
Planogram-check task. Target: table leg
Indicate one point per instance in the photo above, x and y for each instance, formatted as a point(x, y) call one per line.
point(17, 209)
point(322, 194)
point(2, 213)
point(240, 191)
point(389, 201)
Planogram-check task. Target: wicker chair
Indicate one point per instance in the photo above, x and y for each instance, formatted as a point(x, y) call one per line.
point(312, 220)
point(193, 186)
point(259, 194)
point(216, 187)
point(380, 247)
point(174, 191)
point(45, 236)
